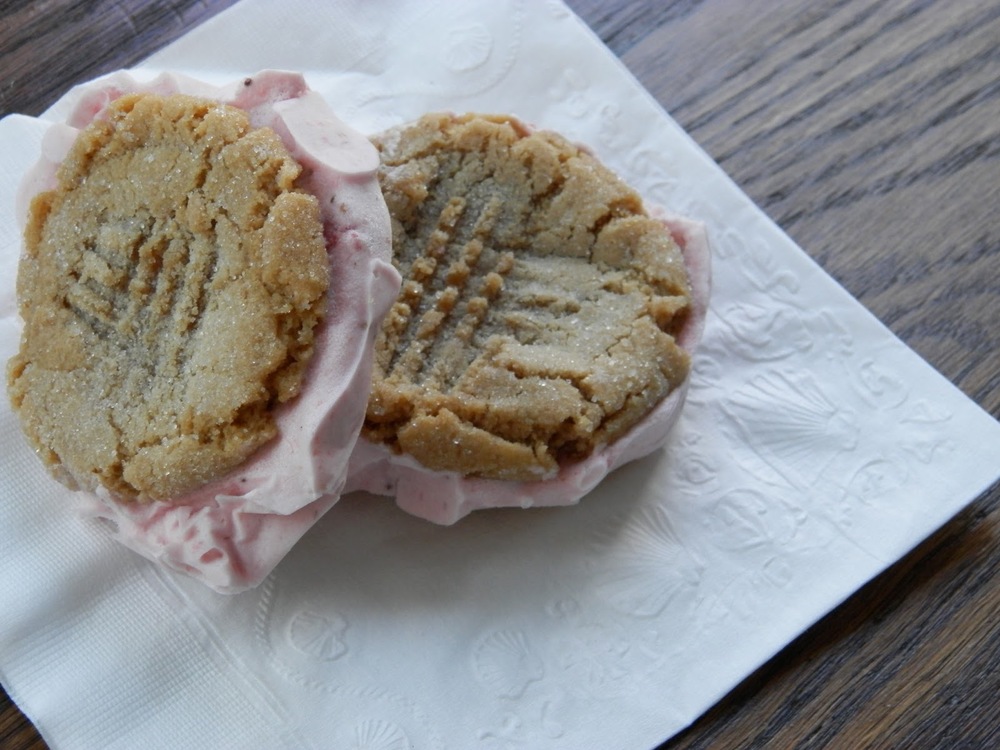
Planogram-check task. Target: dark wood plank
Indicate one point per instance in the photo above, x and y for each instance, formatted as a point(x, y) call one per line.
point(50, 45)
point(16, 732)
point(870, 132)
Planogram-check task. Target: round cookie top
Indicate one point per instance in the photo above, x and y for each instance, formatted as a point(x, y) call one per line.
point(170, 287)
point(539, 305)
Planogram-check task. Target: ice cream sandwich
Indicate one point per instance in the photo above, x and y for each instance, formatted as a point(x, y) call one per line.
point(544, 331)
point(204, 270)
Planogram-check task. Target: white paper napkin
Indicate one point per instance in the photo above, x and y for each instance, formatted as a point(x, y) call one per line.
point(815, 450)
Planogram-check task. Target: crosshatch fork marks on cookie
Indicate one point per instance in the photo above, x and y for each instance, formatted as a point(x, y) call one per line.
point(170, 289)
point(447, 294)
point(539, 301)
point(135, 283)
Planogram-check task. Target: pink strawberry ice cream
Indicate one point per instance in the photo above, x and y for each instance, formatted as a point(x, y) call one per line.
point(231, 533)
point(444, 497)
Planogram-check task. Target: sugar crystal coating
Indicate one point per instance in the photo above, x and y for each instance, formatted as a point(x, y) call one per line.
point(539, 305)
point(170, 287)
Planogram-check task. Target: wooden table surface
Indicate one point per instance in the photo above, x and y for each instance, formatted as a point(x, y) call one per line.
point(870, 131)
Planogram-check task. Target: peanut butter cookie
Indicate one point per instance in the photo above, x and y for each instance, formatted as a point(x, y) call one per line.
point(170, 287)
point(539, 303)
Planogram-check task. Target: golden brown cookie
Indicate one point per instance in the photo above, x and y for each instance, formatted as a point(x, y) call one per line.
point(539, 303)
point(170, 286)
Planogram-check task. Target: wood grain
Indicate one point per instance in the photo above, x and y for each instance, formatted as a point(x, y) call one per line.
point(871, 133)
point(53, 44)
